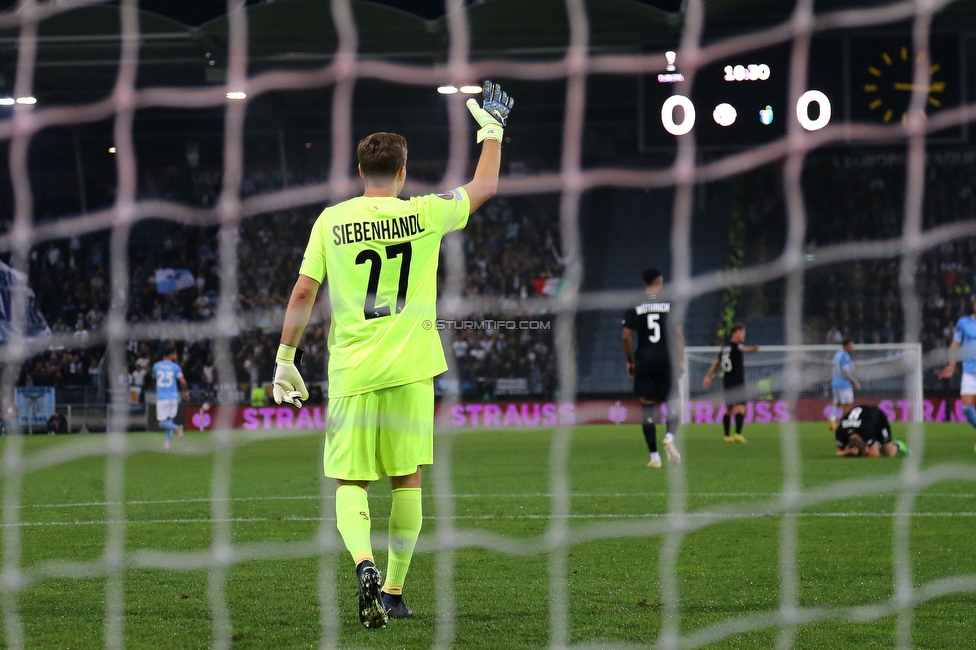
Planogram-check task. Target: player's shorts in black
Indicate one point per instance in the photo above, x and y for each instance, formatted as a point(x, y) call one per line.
point(653, 382)
point(882, 434)
point(735, 393)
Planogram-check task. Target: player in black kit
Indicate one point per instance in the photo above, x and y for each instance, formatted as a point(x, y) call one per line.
point(730, 361)
point(865, 431)
point(649, 365)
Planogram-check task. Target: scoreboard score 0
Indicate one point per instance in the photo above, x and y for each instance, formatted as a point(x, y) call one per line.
point(743, 102)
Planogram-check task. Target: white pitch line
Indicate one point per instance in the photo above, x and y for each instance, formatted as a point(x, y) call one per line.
point(536, 495)
point(757, 515)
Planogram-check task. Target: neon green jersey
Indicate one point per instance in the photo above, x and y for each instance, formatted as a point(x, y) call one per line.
point(380, 255)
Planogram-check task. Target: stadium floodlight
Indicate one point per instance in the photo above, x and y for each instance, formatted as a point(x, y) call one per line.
point(236, 95)
point(471, 90)
point(447, 90)
point(111, 149)
point(27, 100)
point(7, 101)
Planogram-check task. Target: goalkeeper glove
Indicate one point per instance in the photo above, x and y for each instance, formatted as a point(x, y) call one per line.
point(288, 386)
point(494, 114)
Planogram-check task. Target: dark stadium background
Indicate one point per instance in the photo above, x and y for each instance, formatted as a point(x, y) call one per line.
point(853, 193)
point(200, 11)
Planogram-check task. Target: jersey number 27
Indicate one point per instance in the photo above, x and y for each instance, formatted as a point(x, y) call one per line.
point(370, 310)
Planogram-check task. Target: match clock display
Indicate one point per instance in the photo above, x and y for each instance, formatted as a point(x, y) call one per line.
point(883, 77)
point(861, 78)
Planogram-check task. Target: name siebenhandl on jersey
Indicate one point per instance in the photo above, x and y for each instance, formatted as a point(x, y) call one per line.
point(653, 307)
point(850, 424)
point(360, 231)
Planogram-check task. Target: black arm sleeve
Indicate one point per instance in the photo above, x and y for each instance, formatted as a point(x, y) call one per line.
point(630, 319)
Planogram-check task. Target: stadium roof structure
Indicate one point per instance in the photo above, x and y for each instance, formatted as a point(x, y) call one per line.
point(292, 34)
point(78, 50)
point(78, 54)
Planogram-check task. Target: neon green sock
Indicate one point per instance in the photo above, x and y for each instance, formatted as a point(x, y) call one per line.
point(406, 518)
point(352, 520)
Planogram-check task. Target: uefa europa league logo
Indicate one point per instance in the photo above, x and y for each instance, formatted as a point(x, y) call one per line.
point(617, 413)
point(201, 420)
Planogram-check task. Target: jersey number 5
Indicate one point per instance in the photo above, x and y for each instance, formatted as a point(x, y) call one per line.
point(654, 328)
point(370, 310)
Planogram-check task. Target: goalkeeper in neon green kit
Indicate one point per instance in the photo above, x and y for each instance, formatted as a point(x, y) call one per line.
point(380, 255)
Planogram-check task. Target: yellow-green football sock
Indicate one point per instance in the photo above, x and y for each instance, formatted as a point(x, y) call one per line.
point(352, 520)
point(406, 518)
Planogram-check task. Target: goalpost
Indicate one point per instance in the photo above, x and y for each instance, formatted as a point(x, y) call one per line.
point(890, 375)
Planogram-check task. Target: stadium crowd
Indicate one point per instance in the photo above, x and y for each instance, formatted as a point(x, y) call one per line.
point(854, 196)
point(511, 248)
point(511, 251)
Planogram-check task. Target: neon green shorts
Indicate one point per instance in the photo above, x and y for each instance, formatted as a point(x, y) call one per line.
point(387, 432)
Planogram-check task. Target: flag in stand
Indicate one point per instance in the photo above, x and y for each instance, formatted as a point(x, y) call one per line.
point(34, 324)
point(170, 280)
point(547, 286)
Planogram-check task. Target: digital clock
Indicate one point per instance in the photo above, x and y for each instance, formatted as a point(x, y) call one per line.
point(751, 72)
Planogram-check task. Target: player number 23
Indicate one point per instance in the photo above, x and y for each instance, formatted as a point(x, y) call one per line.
point(164, 379)
point(370, 310)
point(654, 328)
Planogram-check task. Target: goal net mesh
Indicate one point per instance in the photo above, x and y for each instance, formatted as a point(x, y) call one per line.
point(890, 376)
point(229, 211)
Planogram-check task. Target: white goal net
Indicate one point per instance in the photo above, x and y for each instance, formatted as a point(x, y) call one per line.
point(568, 64)
point(890, 377)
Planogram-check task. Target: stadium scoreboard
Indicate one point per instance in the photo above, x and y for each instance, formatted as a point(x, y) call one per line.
point(743, 101)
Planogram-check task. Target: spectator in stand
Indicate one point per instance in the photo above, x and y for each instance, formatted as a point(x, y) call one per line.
point(95, 371)
point(8, 417)
point(56, 424)
point(511, 243)
point(138, 377)
point(834, 336)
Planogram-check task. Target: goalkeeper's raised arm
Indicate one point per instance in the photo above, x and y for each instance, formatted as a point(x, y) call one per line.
point(491, 116)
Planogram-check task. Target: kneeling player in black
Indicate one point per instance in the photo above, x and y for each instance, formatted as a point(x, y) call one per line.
point(734, 380)
point(650, 364)
point(865, 431)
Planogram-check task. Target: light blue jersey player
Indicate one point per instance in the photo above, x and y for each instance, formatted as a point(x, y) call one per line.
point(842, 382)
point(965, 338)
point(169, 380)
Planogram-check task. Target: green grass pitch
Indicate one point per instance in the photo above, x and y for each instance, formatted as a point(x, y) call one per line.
point(501, 484)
